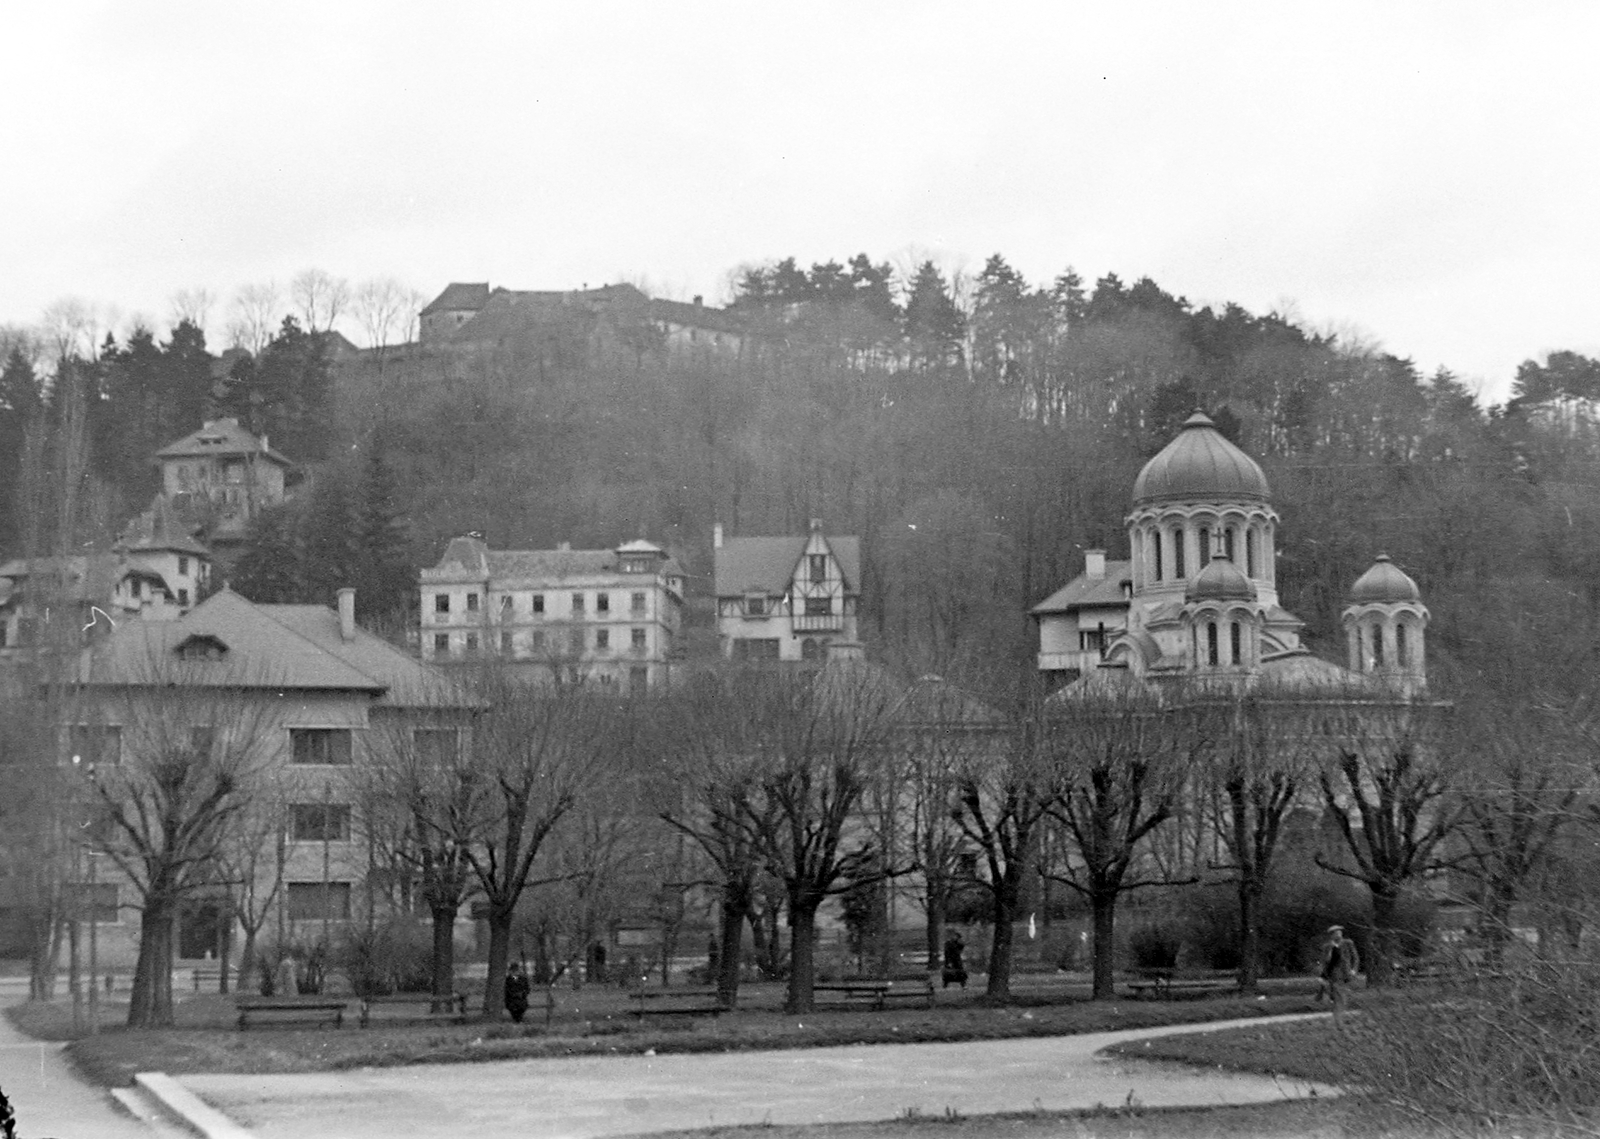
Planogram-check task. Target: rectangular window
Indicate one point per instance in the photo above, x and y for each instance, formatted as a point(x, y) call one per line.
point(436, 747)
point(638, 678)
point(320, 822)
point(472, 642)
point(819, 607)
point(327, 747)
point(472, 603)
point(538, 603)
point(314, 901)
point(602, 640)
point(441, 603)
point(756, 648)
point(505, 643)
point(441, 644)
point(819, 567)
point(508, 605)
point(538, 642)
point(575, 641)
point(602, 603)
point(636, 604)
point(638, 639)
point(577, 604)
point(183, 565)
point(96, 743)
point(755, 606)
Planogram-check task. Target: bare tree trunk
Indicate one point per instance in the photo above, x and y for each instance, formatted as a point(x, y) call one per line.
point(444, 950)
point(732, 924)
point(802, 959)
point(494, 986)
point(1103, 906)
point(1249, 935)
point(150, 1003)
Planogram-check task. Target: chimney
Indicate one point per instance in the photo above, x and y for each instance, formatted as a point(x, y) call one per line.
point(1094, 563)
point(564, 546)
point(347, 614)
point(716, 535)
point(699, 301)
point(816, 525)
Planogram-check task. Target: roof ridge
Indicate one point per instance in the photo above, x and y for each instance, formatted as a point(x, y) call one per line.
point(382, 685)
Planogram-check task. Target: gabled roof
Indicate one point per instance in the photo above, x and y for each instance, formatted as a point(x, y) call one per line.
point(509, 313)
point(83, 577)
point(220, 437)
point(766, 565)
point(160, 529)
point(459, 296)
point(276, 647)
point(1084, 591)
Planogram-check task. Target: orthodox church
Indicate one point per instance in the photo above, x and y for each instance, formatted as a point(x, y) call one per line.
point(1199, 597)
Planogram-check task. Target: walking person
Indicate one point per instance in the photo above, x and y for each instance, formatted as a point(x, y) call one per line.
point(517, 989)
point(1340, 963)
point(955, 969)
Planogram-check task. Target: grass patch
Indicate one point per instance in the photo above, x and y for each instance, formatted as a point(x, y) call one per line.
point(592, 1021)
point(1307, 1050)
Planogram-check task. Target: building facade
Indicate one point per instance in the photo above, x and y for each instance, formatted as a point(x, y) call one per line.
point(220, 476)
point(790, 598)
point(611, 617)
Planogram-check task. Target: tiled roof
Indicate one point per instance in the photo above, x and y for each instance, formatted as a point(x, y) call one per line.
point(278, 647)
point(459, 295)
point(160, 528)
point(85, 577)
point(766, 565)
point(1083, 591)
point(220, 437)
point(470, 558)
point(932, 700)
point(512, 312)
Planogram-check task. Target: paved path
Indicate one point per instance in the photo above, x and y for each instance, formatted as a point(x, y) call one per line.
point(48, 1097)
point(596, 1096)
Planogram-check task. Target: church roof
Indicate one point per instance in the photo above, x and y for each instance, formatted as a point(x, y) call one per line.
point(1200, 465)
point(1384, 582)
point(1221, 580)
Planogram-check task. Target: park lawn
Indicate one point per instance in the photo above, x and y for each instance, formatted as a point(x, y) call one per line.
point(592, 1021)
point(1307, 1049)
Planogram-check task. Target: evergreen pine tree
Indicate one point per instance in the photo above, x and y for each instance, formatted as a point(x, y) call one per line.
point(386, 575)
point(270, 571)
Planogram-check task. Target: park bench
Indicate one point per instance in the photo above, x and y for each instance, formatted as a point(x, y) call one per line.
point(1167, 984)
point(280, 1010)
point(208, 976)
point(676, 1002)
point(414, 1006)
point(877, 993)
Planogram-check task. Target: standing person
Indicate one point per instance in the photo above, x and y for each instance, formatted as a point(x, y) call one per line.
point(1340, 963)
point(955, 968)
point(517, 990)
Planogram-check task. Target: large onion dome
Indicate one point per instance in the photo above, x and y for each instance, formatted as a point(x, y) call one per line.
point(1200, 465)
point(1221, 580)
point(1386, 583)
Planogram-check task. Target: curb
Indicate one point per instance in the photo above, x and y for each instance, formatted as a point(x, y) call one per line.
point(188, 1107)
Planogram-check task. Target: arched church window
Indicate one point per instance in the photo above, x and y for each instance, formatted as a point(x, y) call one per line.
point(1227, 542)
point(1238, 643)
point(1177, 554)
point(1211, 643)
point(1377, 646)
point(1250, 553)
point(1205, 546)
point(1400, 645)
point(1155, 552)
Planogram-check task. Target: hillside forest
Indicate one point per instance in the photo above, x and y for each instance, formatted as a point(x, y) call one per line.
point(978, 435)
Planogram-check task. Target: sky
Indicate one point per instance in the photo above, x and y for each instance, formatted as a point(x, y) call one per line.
point(1422, 177)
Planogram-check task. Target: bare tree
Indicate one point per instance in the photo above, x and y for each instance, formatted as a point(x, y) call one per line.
point(818, 738)
point(1388, 794)
point(168, 767)
point(254, 315)
point(1118, 754)
point(319, 299)
point(251, 865)
point(192, 306)
point(385, 309)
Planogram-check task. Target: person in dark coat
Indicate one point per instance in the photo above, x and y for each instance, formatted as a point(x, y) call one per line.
point(955, 969)
point(1341, 961)
point(517, 989)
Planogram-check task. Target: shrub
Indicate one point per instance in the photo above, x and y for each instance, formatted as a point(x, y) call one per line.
point(1155, 945)
point(394, 957)
point(1512, 1052)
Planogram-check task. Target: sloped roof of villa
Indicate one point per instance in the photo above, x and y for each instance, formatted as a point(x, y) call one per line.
point(220, 437)
point(268, 647)
point(469, 557)
point(1084, 591)
point(766, 565)
point(459, 295)
point(160, 528)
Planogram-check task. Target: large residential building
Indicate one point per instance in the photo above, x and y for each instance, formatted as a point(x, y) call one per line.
point(293, 697)
point(1201, 594)
point(220, 476)
point(790, 598)
point(607, 616)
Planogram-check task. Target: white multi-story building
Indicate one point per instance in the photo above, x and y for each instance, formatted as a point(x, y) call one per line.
point(607, 616)
point(791, 598)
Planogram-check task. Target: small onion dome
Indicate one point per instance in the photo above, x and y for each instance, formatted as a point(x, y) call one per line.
point(1200, 465)
point(1384, 582)
point(1221, 580)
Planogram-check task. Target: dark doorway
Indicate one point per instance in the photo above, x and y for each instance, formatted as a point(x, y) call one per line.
point(201, 931)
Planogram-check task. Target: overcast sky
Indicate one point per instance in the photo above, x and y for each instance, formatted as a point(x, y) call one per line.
point(1423, 175)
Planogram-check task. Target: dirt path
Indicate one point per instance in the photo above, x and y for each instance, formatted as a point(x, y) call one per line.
point(597, 1096)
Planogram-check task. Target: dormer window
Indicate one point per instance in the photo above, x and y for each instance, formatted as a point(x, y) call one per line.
point(755, 605)
point(818, 566)
point(202, 646)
